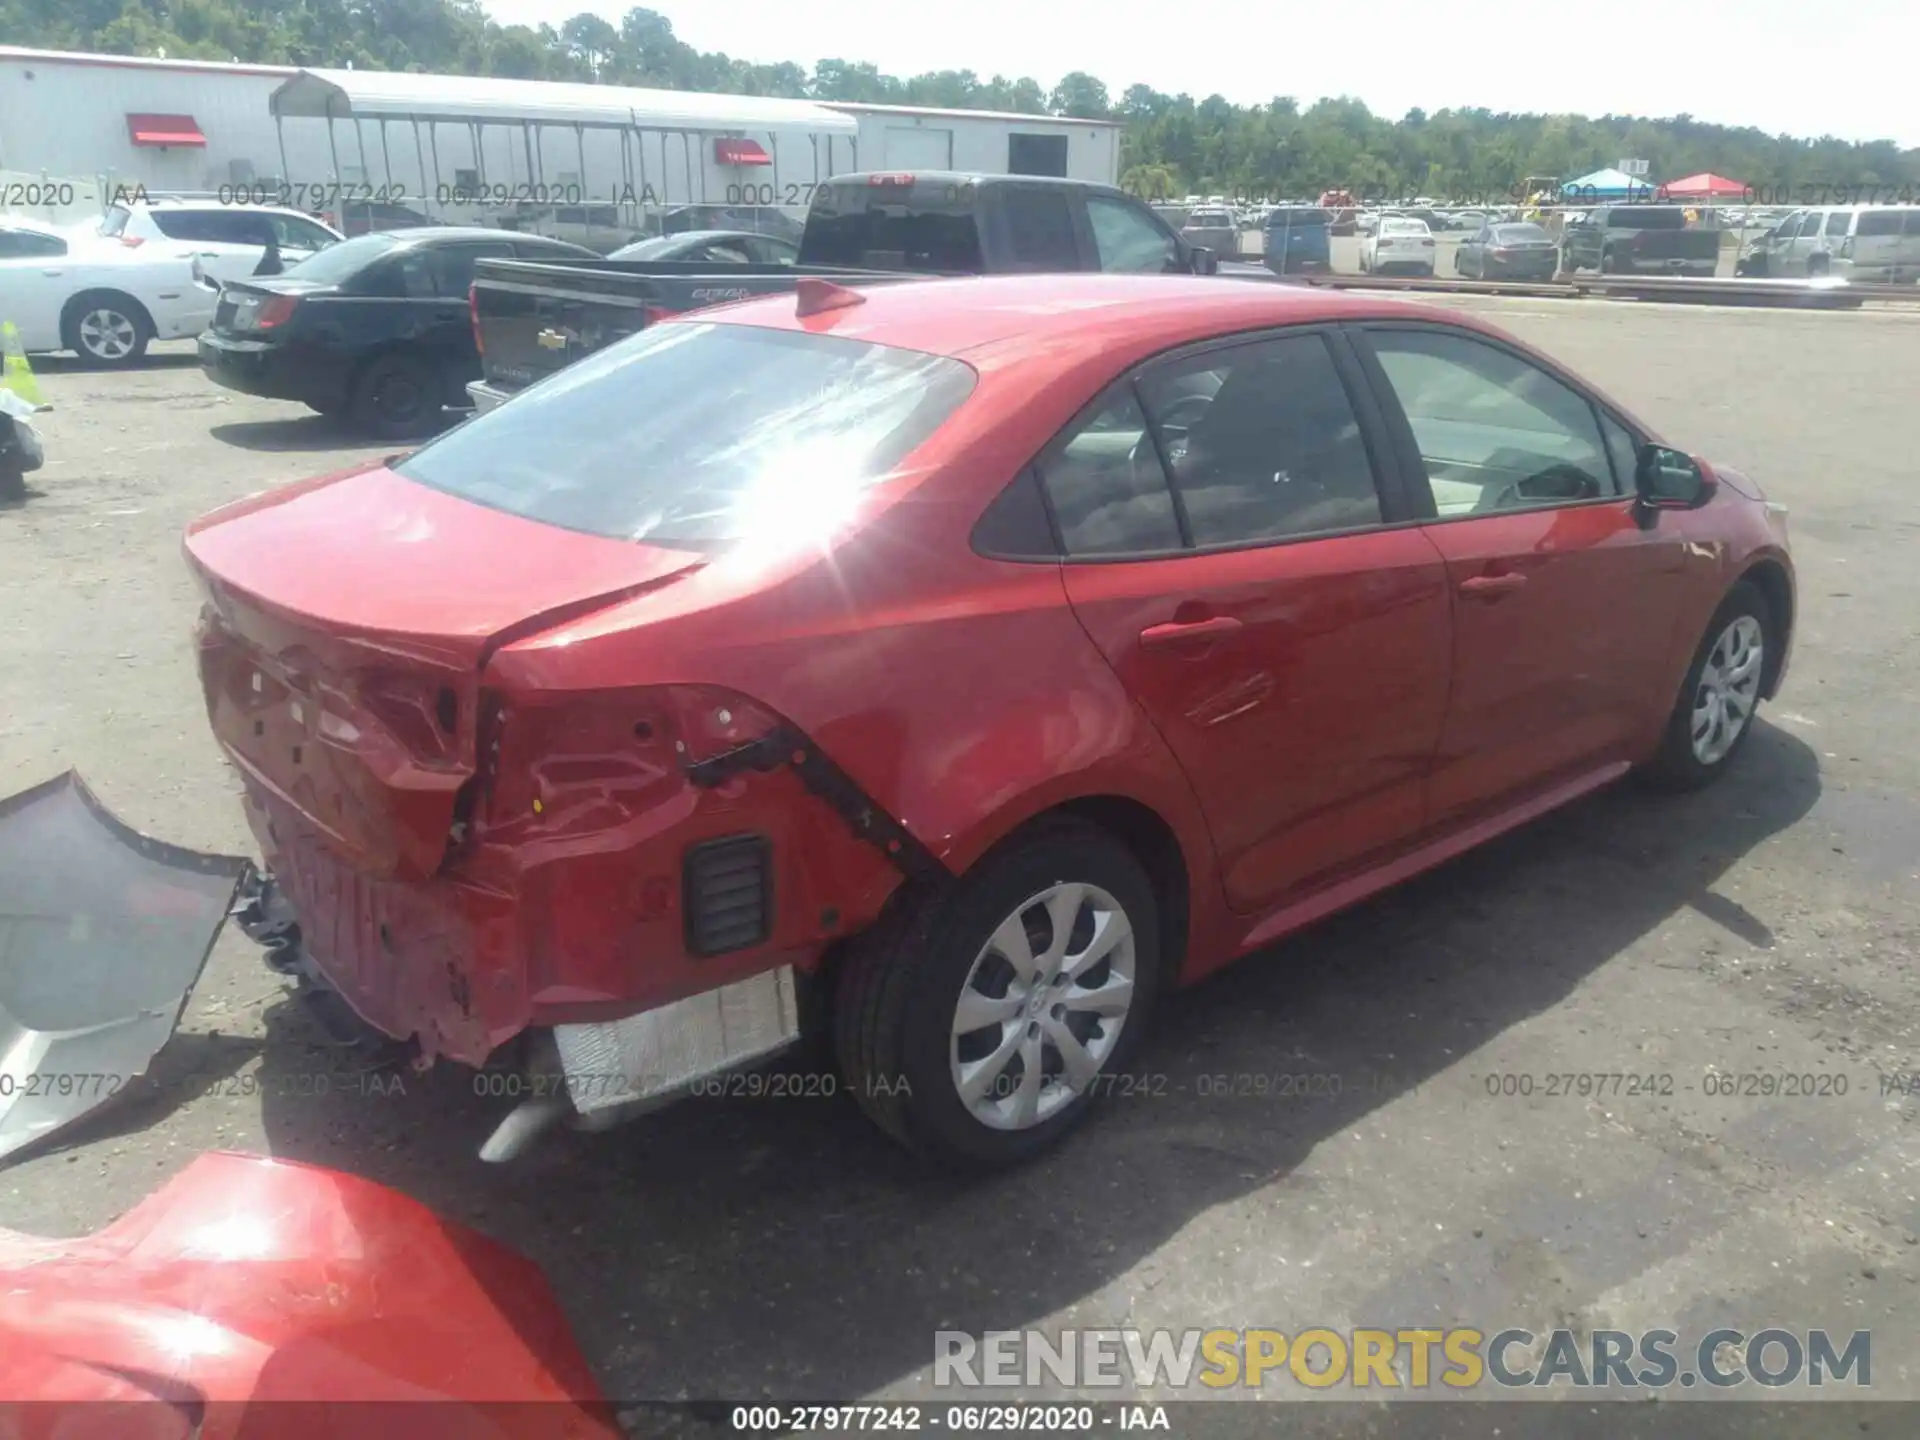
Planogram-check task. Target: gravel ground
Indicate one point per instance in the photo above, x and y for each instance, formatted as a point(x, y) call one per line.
point(749, 1249)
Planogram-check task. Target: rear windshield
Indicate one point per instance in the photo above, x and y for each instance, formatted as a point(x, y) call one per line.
point(1647, 217)
point(340, 262)
point(928, 226)
point(1520, 234)
point(1298, 219)
point(698, 434)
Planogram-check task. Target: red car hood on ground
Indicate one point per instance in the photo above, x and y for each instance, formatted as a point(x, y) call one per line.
point(247, 1291)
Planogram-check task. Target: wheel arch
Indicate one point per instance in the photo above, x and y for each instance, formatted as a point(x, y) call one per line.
point(71, 311)
point(1769, 577)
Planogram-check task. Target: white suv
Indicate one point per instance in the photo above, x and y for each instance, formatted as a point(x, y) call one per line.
point(230, 242)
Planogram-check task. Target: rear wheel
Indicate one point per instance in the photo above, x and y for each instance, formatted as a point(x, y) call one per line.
point(13, 480)
point(1714, 712)
point(105, 328)
point(398, 397)
point(979, 1023)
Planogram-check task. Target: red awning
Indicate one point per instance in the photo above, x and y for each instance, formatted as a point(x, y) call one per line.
point(164, 130)
point(1705, 187)
point(740, 152)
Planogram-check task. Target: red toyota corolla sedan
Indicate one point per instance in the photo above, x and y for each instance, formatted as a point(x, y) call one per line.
point(982, 656)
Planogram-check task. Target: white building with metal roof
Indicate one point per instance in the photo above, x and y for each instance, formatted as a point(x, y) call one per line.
point(463, 147)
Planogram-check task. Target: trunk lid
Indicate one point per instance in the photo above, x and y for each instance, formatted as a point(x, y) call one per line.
point(348, 621)
point(243, 302)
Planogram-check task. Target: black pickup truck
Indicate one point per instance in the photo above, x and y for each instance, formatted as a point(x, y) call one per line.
point(533, 318)
point(1640, 240)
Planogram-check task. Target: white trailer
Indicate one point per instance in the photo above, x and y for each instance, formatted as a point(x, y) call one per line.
point(462, 147)
point(911, 137)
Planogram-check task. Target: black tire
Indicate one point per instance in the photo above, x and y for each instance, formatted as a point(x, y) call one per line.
point(108, 330)
point(13, 481)
point(895, 997)
point(1676, 766)
point(398, 397)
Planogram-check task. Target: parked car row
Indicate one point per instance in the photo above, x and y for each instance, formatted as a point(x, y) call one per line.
point(107, 288)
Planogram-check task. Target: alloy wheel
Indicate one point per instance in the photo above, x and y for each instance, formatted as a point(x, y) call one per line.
point(1729, 688)
point(107, 334)
point(1043, 1006)
point(398, 398)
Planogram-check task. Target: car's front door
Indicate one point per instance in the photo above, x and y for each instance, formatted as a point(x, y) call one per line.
point(1233, 552)
point(1564, 587)
point(1472, 255)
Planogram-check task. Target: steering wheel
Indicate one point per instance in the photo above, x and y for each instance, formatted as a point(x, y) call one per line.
point(1175, 426)
point(1555, 483)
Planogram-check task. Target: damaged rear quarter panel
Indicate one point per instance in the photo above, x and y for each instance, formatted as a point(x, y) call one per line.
point(961, 694)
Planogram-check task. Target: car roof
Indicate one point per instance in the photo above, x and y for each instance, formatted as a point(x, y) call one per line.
point(960, 177)
point(1057, 321)
point(704, 237)
point(419, 235)
point(174, 203)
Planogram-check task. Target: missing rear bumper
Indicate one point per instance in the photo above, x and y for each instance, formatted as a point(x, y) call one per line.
point(610, 1073)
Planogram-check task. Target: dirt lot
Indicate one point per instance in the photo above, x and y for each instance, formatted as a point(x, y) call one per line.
point(780, 1248)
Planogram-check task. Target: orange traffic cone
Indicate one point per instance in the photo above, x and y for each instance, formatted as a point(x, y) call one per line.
point(15, 374)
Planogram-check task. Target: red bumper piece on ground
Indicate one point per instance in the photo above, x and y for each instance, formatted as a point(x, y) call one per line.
point(256, 1298)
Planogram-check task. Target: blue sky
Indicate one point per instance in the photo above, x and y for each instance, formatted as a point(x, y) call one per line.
point(1848, 69)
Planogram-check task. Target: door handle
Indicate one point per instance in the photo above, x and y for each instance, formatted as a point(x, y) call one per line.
point(1491, 587)
point(1177, 632)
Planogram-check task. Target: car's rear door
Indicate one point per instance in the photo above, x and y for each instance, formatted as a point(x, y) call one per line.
point(1237, 550)
point(227, 243)
point(1564, 589)
point(447, 327)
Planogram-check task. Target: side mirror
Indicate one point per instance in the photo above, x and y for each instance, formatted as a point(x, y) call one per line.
point(1203, 260)
point(1670, 480)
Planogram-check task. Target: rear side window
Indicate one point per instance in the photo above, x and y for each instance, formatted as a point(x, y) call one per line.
point(1274, 448)
point(928, 226)
point(453, 265)
point(340, 264)
point(1129, 243)
point(1810, 225)
point(1912, 226)
point(1104, 483)
point(198, 225)
point(1040, 228)
point(1879, 222)
point(22, 244)
point(1647, 217)
point(699, 435)
point(1837, 222)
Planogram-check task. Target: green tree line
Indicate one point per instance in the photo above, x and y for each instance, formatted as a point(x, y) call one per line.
point(1172, 144)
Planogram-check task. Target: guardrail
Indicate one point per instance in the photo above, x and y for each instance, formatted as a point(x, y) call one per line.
point(1779, 294)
